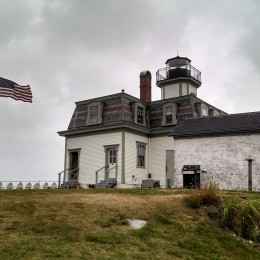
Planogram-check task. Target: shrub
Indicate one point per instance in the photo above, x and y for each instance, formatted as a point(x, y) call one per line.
point(207, 196)
point(242, 218)
point(210, 195)
point(229, 214)
point(257, 236)
point(249, 219)
point(193, 199)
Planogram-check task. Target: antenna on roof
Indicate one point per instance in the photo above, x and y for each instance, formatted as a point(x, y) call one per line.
point(177, 53)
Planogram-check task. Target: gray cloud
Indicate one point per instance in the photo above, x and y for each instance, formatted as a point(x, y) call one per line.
point(75, 50)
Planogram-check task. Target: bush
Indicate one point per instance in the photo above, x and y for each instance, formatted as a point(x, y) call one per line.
point(242, 218)
point(249, 221)
point(229, 214)
point(257, 236)
point(210, 195)
point(193, 199)
point(207, 196)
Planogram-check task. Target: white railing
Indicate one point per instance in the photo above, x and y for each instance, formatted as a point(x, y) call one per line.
point(28, 185)
point(105, 173)
point(97, 172)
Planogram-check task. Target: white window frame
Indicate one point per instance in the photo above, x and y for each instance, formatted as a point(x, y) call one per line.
point(168, 114)
point(112, 157)
point(93, 114)
point(140, 115)
point(205, 111)
point(95, 110)
point(173, 109)
point(137, 107)
point(140, 155)
point(201, 107)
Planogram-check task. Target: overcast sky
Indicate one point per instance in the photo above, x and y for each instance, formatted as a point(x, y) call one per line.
point(72, 50)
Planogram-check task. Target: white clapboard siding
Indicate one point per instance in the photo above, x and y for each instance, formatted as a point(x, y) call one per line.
point(92, 154)
point(131, 158)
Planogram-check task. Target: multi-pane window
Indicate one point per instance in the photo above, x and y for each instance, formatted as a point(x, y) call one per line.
point(140, 155)
point(168, 115)
point(95, 110)
point(93, 117)
point(140, 115)
point(112, 156)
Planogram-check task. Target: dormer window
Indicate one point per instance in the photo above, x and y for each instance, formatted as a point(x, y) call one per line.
point(203, 109)
point(93, 115)
point(169, 114)
point(139, 113)
point(95, 110)
point(213, 112)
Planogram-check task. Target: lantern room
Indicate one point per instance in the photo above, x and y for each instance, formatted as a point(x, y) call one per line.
point(178, 78)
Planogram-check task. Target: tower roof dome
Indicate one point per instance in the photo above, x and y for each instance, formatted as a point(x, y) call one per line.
point(178, 61)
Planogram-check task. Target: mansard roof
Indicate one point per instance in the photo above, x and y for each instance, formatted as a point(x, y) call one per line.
point(216, 125)
point(104, 98)
point(118, 110)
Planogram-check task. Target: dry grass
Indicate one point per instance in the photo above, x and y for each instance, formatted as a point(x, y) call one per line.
point(91, 224)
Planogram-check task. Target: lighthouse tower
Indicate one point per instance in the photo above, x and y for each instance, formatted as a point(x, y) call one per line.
point(178, 78)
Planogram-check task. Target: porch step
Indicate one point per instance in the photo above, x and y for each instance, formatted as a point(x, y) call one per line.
point(111, 183)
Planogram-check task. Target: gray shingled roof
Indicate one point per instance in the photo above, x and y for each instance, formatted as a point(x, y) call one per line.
point(227, 124)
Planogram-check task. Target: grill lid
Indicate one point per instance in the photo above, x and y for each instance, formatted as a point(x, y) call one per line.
point(191, 168)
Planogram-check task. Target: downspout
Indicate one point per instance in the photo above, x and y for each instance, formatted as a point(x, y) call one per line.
point(122, 106)
point(65, 159)
point(123, 159)
point(149, 142)
point(250, 181)
point(149, 153)
point(123, 140)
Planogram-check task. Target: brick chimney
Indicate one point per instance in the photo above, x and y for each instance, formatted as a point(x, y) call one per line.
point(146, 86)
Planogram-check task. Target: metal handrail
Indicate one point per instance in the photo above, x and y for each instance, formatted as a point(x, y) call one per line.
point(64, 173)
point(106, 172)
point(60, 174)
point(111, 168)
point(97, 174)
point(73, 170)
point(100, 169)
point(109, 171)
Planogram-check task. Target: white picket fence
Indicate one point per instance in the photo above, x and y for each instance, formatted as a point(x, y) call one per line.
point(28, 185)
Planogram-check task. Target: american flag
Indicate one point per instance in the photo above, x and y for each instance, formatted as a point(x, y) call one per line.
point(13, 90)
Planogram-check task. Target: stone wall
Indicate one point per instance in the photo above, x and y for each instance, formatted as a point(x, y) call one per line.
point(222, 157)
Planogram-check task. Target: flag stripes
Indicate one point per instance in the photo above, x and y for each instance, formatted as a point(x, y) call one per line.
point(11, 89)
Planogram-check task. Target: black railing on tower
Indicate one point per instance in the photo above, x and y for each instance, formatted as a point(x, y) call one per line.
point(178, 72)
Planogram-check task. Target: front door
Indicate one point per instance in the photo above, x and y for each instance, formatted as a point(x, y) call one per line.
point(169, 168)
point(112, 163)
point(74, 165)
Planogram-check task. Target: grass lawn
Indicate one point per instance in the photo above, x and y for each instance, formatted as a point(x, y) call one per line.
point(92, 224)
